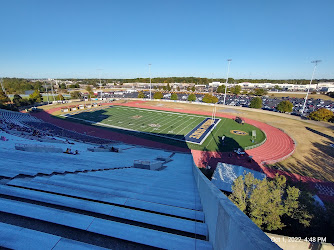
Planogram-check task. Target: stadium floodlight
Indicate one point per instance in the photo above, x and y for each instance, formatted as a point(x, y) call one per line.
point(100, 83)
point(228, 70)
point(53, 97)
point(2, 87)
point(308, 90)
point(47, 94)
point(149, 70)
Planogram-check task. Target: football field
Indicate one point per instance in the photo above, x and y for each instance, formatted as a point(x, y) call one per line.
point(172, 128)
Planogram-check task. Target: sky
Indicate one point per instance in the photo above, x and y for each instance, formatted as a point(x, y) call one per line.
point(275, 39)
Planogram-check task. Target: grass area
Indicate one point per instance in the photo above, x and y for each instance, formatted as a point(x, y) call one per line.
point(314, 96)
point(170, 127)
point(313, 157)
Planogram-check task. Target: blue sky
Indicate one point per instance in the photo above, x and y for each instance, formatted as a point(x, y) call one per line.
point(274, 39)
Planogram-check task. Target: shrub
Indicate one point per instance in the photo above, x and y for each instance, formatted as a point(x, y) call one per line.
point(158, 95)
point(192, 98)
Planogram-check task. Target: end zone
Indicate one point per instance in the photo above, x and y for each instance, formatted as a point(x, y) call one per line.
point(201, 131)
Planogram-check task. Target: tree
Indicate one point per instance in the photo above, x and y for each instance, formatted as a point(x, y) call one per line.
point(174, 97)
point(62, 86)
point(3, 98)
point(158, 95)
point(36, 96)
point(260, 92)
point(322, 114)
point(75, 95)
point(277, 87)
point(60, 97)
point(267, 202)
point(178, 88)
point(193, 89)
point(209, 98)
point(17, 100)
point(141, 94)
point(236, 90)
point(168, 87)
point(89, 88)
point(256, 103)
point(191, 97)
point(221, 89)
point(285, 107)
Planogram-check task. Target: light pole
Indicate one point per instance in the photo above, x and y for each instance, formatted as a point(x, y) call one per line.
point(149, 69)
point(2, 87)
point(46, 90)
point(228, 70)
point(100, 83)
point(308, 90)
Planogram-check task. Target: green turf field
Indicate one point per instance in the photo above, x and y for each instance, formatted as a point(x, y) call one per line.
point(168, 127)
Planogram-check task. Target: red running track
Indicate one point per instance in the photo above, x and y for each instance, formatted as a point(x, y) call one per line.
point(277, 146)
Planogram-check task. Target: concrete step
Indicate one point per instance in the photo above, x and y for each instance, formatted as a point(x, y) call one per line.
point(101, 226)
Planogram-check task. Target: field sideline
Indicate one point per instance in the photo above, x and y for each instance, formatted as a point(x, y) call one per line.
point(172, 126)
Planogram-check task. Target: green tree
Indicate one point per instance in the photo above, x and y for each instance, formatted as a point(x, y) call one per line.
point(36, 96)
point(322, 114)
point(260, 92)
point(221, 89)
point(89, 88)
point(277, 87)
point(191, 97)
point(168, 87)
point(174, 97)
point(238, 196)
point(60, 97)
point(141, 94)
point(3, 97)
point(266, 202)
point(158, 95)
point(256, 103)
point(75, 95)
point(62, 86)
point(285, 107)
point(17, 100)
point(236, 90)
point(178, 88)
point(193, 89)
point(209, 98)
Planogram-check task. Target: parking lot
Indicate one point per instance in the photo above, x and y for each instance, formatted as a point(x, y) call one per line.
point(268, 103)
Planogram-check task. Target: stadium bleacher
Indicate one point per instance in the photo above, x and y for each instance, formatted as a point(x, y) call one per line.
point(95, 200)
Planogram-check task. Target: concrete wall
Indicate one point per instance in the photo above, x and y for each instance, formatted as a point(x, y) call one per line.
point(229, 228)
